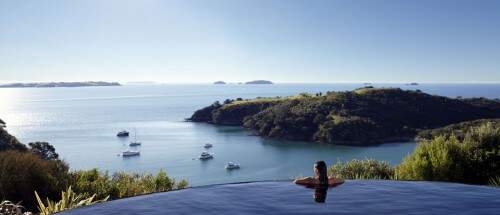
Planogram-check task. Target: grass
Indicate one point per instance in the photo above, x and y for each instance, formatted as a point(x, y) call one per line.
point(494, 181)
point(362, 169)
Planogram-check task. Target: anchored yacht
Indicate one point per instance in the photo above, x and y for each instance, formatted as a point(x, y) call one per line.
point(206, 155)
point(231, 165)
point(129, 153)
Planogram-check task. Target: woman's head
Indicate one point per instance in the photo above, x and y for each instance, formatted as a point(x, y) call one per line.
point(321, 172)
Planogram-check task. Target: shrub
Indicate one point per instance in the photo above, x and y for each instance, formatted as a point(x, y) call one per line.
point(122, 184)
point(475, 159)
point(21, 173)
point(439, 159)
point(89, 182)
point(69, 199)
point(362, 169)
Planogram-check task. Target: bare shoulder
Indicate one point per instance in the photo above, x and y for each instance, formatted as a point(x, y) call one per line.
point(335, 181)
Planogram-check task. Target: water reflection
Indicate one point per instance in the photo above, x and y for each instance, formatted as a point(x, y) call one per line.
point(320, 194)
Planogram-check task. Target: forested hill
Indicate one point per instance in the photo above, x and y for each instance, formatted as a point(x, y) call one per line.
point(459, 130)
point(360, 117)
point(8, 141)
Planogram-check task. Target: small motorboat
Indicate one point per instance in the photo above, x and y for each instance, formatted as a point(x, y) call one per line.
point(206, 155)
point(231, 165)
point(207, 146)
point(122, 134)
point(129, 153)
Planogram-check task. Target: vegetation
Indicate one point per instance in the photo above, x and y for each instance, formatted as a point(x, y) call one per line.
point(362, 169)
point(21, 173)
point(44, 150)
point(122, 184)
point(8, 141)
point(69, 199)
point(9, 208)
point(458, 130)
point(24, 170)
point(494, 181)
point(475, 159)
point(360, 117)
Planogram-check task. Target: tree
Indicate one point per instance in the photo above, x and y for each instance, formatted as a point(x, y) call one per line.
point(8, 141)
point(227, 101)
point(44, 150)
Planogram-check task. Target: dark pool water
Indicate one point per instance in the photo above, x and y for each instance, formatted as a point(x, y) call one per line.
point(284, 197)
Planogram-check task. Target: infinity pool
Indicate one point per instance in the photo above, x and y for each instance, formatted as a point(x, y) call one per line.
point(284, 197)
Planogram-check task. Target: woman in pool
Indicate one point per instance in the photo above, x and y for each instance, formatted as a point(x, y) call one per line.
point(321, 177)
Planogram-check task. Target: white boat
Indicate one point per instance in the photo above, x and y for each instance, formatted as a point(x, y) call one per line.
point(231, 165)
point(207, 146)
point(206, 155)
point(129, 153)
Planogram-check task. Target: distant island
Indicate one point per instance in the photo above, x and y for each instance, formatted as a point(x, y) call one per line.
point(259, 82)
point(364, 116)
point(59, 84)
point(219, 82)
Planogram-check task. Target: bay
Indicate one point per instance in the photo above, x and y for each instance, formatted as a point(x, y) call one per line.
point(82, 124)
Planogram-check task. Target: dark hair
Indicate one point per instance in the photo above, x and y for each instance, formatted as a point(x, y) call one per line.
point(320, 194)
point(322, 172)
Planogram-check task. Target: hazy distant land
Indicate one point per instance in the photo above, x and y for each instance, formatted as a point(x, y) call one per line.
point(259, 82)
point(59, 84)
point(249, 82)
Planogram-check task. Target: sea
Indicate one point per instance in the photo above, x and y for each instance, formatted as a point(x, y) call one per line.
point(82, 124)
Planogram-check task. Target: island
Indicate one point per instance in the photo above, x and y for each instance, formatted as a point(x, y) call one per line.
point(259, 82)
point(364, 116)
point(59, 84)
point(219, 82)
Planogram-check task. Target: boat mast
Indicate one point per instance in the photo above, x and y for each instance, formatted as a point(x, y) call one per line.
point(135, 135)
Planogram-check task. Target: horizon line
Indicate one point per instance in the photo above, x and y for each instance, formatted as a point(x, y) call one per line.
point(277, 82)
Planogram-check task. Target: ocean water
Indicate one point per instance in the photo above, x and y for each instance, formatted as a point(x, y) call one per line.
point(82, 124)
point(284, 197)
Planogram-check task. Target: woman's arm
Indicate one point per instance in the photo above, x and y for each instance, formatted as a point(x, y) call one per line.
point(335, 181)
point(303, 181)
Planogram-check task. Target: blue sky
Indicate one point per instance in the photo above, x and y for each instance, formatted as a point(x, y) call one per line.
point(234, 40)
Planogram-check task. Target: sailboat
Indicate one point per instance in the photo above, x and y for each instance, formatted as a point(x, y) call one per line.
point(135, 142)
